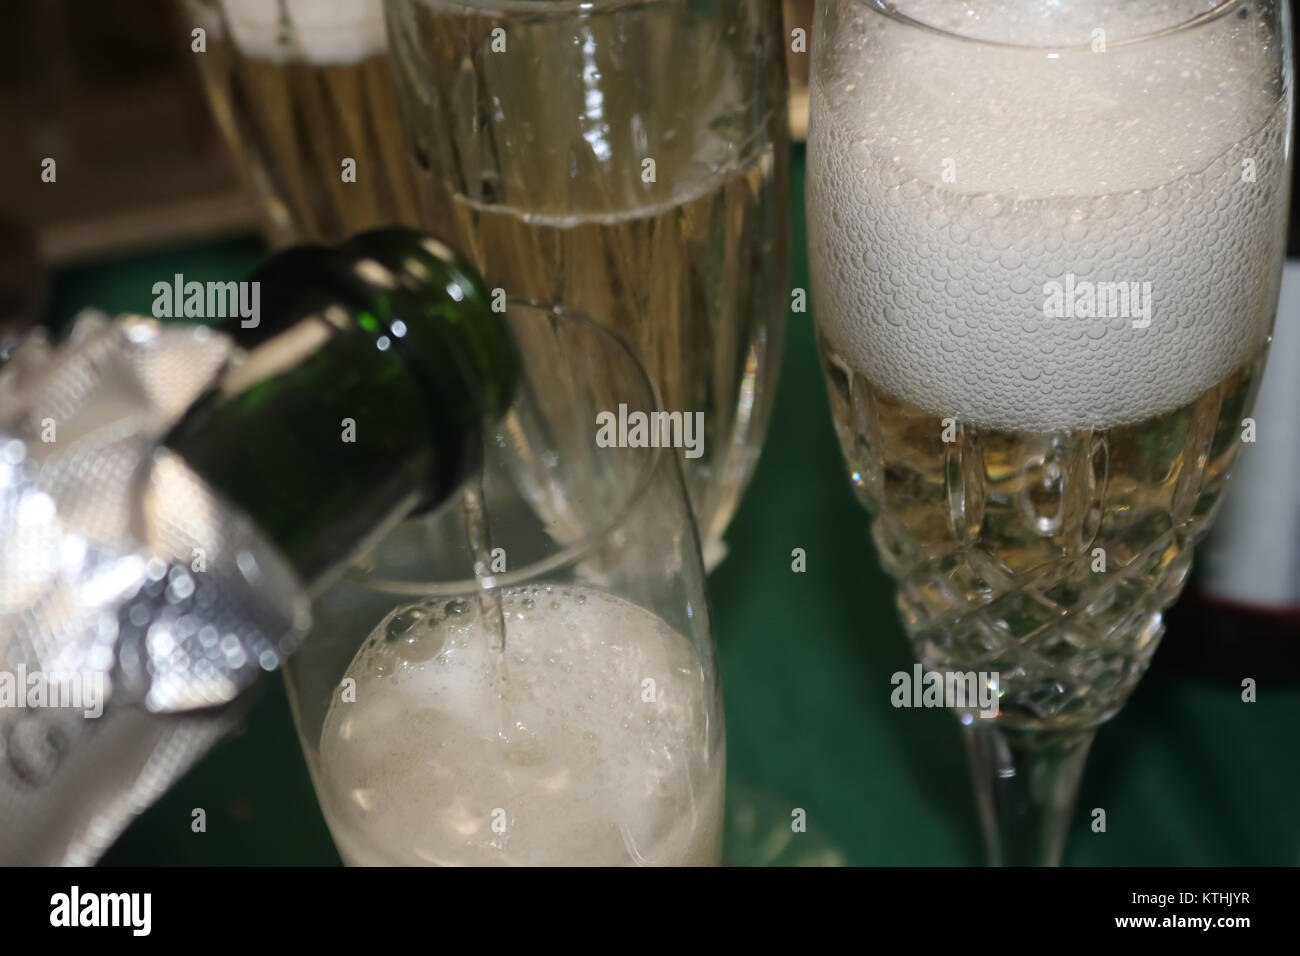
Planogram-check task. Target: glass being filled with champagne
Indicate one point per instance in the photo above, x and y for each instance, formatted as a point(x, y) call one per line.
point(629, 159)
point(1046, 242)
point(303, 95)
point(526, 676)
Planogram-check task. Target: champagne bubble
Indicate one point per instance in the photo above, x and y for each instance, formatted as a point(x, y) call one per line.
point(1067, 170)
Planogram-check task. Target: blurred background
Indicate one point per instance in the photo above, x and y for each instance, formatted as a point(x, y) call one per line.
point(1188, 773)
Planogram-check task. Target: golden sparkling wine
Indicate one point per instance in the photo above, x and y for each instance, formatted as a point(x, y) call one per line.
point(629, 163)
point(586, 743)
point(1047, 557)
point(295, 96)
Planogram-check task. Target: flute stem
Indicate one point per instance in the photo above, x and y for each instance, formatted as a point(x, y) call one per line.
point(1025, 786)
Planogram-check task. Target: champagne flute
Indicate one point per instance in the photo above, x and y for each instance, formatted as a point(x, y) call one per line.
point(303, 95)
point(527, 676)
point(628, 160)
point(1046, 242)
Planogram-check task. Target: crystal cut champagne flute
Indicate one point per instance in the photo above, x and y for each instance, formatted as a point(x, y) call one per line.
point(1046, 242)
point(526, 676)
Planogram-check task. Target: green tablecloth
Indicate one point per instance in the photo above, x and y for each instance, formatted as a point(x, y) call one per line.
point(1188, 774)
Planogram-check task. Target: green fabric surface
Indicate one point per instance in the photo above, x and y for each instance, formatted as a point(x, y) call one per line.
point(1187, 773)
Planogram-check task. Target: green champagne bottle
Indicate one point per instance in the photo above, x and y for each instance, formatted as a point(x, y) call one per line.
point(361, 399)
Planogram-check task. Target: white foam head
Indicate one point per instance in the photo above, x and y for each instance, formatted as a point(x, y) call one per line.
point(317, 31)
point(583, 767)
point(952, 182)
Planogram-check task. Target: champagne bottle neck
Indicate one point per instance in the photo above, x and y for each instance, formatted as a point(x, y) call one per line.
point(360, 397)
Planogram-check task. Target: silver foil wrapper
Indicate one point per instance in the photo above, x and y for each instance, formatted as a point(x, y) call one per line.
point(135, 605)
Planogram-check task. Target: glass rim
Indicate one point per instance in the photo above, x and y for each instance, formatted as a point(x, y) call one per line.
point(576, 549)
point(889, 10)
